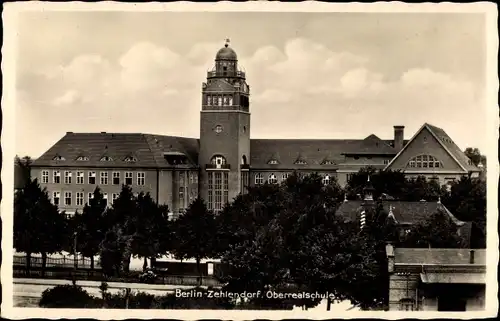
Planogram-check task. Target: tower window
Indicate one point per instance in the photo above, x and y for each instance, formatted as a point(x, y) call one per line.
point(209, 100)
point(226, 100)
point(230, 101)
point(220, 100)
point(218, 161)
point(218, 129)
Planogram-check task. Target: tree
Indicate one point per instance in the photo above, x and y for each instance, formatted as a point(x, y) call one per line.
point(467, 201)
point(438, 231)
point(475, 156)
point(38, 225)
point(90, 226)
point(194, 233)
point(22, 170)
point(152, 229)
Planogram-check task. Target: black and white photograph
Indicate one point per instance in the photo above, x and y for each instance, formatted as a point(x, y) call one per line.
point(240, 160)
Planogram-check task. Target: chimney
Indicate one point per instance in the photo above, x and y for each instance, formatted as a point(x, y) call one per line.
point(471, 258)
point(399, 136)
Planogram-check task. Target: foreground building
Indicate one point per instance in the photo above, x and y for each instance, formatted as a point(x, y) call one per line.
point(436, 279)
point(224, 161)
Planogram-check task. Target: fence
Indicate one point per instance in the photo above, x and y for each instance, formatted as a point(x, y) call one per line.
point(67, 262)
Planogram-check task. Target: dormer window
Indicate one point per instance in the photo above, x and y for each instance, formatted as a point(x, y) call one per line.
point(106, 159)
point(59, 158)
point(82, 158)
point(130, 159)
point(300, 162)
point(328, 162)
point(273, 162)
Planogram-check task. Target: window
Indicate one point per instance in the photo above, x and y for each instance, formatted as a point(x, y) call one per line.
point(181, 193)
point(79, 177)
point(59, 158)
point(104, 178)
point(386, 161)
point(218, 190)
point(128, 178)
point(226, 100)
point(273, 162)
point(328, 162)
point(116, 178)
point(272, 179)
point(79, 198)
point(105, 198)
point(406, 304)
point(284, 177)
point(45, 177)
point(349, 177)
point(67, 198)
point(114, 197)
point(130, 159)
point(92, 177)
point(106, 159)
point(91, 196)
point(220, 100)
point(230, 101)
point(259, 179)
point(56, 198)
point(56, 177)
point(82, 158)
point(326, 180)
point(67, 177)
point(209, 100)
point(218, 161)
point(141, 178)
point(300, 162)
point(191, 178)
point(424, 161)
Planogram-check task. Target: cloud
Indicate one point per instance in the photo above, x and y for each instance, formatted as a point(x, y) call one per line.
point(153, 88)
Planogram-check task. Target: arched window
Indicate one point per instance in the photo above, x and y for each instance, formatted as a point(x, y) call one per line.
point(284, 177)
point(259, 179)
point(272, 179)
point(326, 180)
point(243, 160)
point(424, 161)
point(106, 159)
point(218, 161)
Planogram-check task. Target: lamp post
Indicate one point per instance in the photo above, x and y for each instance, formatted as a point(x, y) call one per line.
point(74, 258)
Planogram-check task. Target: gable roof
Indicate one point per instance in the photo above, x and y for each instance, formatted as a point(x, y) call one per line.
point(445, 141)
point(404, 212)
point(314, 151)
point(147, 149)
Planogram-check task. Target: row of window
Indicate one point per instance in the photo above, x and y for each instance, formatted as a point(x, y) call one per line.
point(128, 159)
point(424, 161)
point(92, 177)
point(218, 190)
point(220, 100)
point(79, 198)
point(273, 179)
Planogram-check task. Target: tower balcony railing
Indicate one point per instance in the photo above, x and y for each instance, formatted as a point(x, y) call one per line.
point(214, 166)
point(214, 73)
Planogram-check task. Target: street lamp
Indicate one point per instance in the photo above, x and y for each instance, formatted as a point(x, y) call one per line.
point(74, 258)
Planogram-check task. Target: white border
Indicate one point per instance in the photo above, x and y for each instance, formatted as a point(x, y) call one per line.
point(10, 13)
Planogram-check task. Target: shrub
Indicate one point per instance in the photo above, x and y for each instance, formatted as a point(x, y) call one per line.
point(147, 277)
point(67, 296)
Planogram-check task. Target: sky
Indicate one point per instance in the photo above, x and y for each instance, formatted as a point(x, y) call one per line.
point(312, 75)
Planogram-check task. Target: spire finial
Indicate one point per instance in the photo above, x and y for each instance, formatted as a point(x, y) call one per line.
point(227, 42)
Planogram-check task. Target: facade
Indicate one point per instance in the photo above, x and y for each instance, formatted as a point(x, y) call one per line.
point(224, 161)
point(436, 279)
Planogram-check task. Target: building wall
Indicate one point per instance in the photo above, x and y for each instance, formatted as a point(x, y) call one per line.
point(150, 184)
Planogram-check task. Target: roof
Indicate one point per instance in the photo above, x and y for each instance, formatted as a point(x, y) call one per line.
point(404, 212)
point(313, 151)
point(226, 53)
point(454, 278)
point(219, 85)
point(449, 146)
point(438, 256)
point(145, 148)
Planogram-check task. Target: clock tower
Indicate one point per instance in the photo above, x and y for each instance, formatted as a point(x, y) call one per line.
point(224, 131)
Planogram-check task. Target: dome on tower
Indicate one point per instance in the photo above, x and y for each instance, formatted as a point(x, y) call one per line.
point(226, 53)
